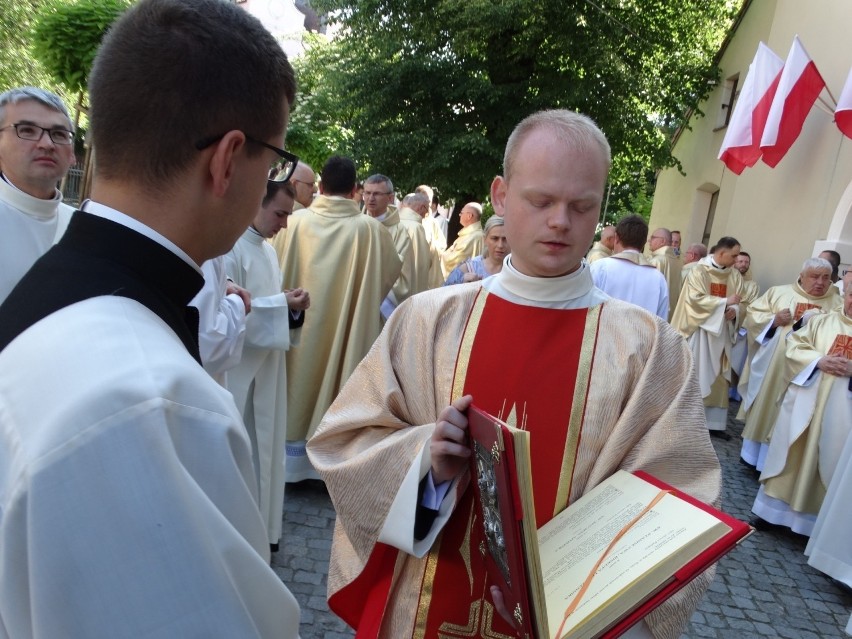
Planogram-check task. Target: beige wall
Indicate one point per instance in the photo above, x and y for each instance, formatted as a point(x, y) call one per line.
point(786, 214)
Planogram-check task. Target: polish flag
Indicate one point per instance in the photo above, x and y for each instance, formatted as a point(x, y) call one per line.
point(843, 113)
point(741, 146)
point(798, 89)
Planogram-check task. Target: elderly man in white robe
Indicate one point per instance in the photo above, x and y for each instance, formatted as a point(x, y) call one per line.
point(814, 423)
point(259, 381)
point(769, 320)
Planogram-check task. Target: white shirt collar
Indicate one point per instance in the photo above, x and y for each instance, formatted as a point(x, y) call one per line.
point(572, 286)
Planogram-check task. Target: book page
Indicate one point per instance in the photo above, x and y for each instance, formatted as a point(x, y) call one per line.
point(666, 537)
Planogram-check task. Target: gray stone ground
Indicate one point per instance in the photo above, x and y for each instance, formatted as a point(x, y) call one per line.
point(764, 588)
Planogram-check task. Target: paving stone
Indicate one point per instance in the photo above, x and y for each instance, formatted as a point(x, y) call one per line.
point(763, 589)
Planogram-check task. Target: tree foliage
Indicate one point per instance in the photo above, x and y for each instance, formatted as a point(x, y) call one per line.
point(66, 37)
point(18, 66)
point(429, 91)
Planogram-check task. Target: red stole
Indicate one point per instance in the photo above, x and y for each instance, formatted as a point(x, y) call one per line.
point(532, 364)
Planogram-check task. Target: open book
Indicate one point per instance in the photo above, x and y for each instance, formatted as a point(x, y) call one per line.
point(660, 540)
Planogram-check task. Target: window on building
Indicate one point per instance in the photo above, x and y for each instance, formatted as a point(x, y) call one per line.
point(729, 98)
point(711, 213)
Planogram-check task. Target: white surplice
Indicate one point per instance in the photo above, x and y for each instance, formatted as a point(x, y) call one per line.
point(259, 381)
point(221, 321)
point(28, 227)
point(127, 494)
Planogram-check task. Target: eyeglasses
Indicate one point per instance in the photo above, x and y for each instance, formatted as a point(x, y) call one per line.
point(281, 169)
point(34, 132)
point(375, 193)
point(310, 184)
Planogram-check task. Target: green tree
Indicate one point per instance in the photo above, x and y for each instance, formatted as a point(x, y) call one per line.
point(18, 66)
point(66, 36)
point(320, 121)
point(433, 89)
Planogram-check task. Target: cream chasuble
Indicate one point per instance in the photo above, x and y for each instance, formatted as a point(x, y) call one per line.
point(30, 227)
point(629, 401)
point(764, 381)
point(403, 288)
point(597, 252)
point(670, 265)
point(700, 317)
point(437, 245)
point(469, 242)
point(259, 381)
point(812, 427)
point(347, 262)
point(413, 225)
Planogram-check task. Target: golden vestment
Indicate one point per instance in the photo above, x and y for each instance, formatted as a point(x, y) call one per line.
point(639, 408)
point(420, 250)
point(437, 245)
point(469, 242)
point(699, 317)
point(814, 422)
point(766, 381)
point(347, 262)
point(670, 265)
point(402, 288)
point(598, 252)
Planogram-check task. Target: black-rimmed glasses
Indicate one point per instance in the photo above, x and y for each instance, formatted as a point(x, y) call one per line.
point(33, 133)
point(282, 168)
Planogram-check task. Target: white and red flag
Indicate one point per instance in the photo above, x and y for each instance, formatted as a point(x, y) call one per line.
point(741, 146)
point(843, 113)
point(798, 89)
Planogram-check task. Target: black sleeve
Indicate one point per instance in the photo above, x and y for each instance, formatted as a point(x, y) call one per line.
point(424, 517)
point(297, 318)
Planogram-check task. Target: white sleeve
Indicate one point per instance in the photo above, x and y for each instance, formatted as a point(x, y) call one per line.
point(221, 321)
point(268, 324)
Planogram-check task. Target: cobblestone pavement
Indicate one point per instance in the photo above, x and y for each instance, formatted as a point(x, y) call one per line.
point(764, 588)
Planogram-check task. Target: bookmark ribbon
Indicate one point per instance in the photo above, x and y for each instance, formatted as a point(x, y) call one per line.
point(624, 530)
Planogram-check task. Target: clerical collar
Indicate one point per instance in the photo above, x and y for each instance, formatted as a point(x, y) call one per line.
point(381, 218)
point(109, 213)
point(714, 264)
point(545, 289)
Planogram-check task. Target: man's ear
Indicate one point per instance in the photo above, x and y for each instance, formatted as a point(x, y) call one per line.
point(221, 163)
point(498, 195)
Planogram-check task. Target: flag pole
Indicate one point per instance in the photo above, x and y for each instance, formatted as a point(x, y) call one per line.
point(833, 99)
point(825, 106)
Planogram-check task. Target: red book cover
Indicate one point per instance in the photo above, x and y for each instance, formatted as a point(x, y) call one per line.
point(498, 501)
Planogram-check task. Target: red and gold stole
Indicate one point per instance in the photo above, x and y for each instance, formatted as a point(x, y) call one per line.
point(532, 366)
point(841, 347)
point(801, 307)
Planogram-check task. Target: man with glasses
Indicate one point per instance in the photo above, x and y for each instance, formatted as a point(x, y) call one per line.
point(36, 151)
point(378, 203)
point(127, 480)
